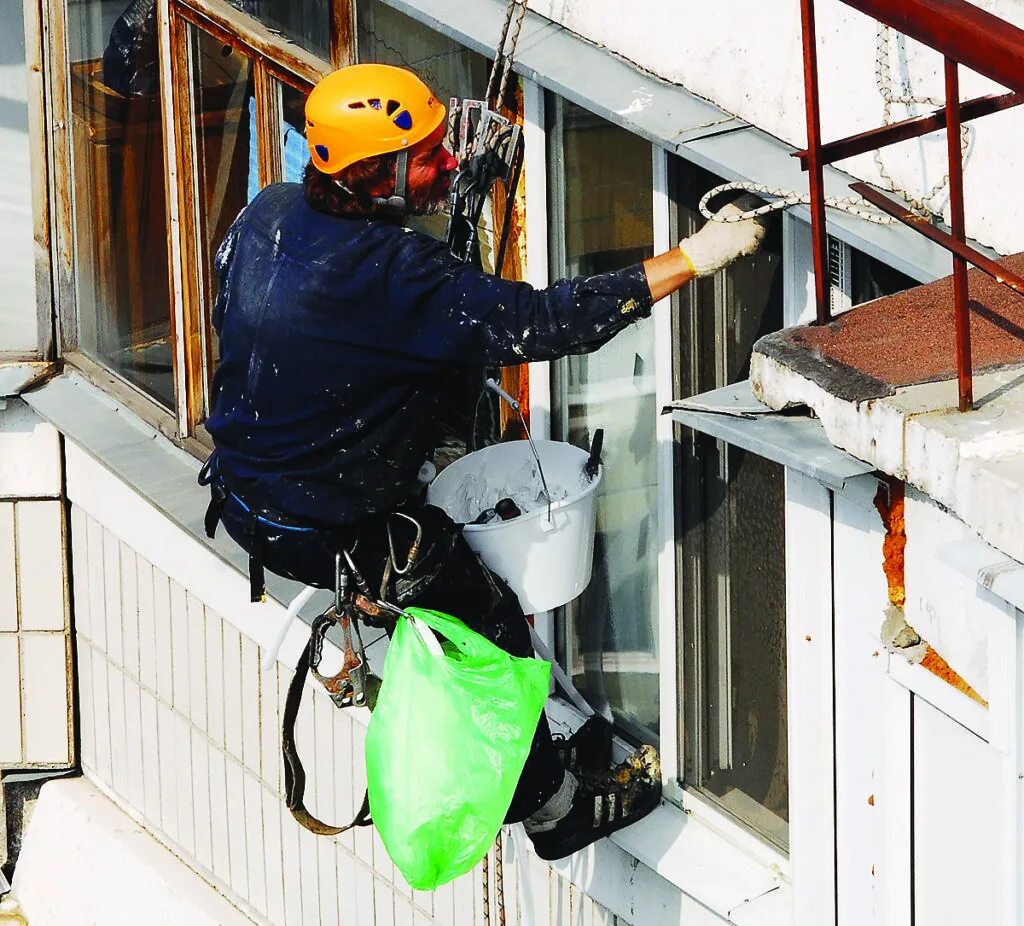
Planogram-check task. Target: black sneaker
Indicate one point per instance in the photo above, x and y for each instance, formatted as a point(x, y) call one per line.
point(589, 749)
point(603, 804)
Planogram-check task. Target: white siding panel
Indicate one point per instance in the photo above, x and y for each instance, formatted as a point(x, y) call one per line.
point(136, 790)
point(961, 830)
point(196, 619)
point(80, 570)
point(220, 835)
point(186, 837)
point(232, 690)
point(8, 572)
point(147, 623)
point(236, 828)
point(29, 453)
point(346, 801)
point(179, 649)
point(130, 610)
point(292, 877)
point(254, 842)
point(365, 910)
point(101, 715)
point(201, 800)
point(164, 632)
point(309, 876)
point(250, 705)
point(118, 746)
point(168, 771)
point(215, 678)
point(328, 876)
point(86, 715)
point(44, 686)
point(114, 645)
point(10, 700)
point(272, 854)
point(270, 729)
point(94, 559)
point(150, 756)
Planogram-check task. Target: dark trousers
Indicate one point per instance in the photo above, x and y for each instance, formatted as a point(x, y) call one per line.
point(450, 578)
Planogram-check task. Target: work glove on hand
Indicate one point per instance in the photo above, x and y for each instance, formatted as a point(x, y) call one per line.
point(718, 244)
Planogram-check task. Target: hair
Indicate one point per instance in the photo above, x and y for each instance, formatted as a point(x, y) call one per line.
point(347, 193)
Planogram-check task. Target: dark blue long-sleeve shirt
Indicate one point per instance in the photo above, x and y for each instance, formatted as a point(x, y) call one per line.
point(339, 338)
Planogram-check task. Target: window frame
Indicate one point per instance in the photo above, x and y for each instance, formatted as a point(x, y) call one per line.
point(275, 60)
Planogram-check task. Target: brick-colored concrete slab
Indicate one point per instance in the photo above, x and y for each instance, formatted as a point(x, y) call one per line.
point(905, 339)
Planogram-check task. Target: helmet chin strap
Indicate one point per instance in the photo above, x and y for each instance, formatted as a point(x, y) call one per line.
point(397, 201)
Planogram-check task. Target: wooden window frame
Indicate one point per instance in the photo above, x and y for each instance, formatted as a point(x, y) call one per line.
point(275, 59)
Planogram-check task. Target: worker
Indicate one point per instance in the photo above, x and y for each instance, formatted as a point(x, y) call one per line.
point(342, 334)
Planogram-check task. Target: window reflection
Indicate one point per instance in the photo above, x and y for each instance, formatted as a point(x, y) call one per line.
point(121, 253)
point(305, 22)
point(602, 184)
point(732, 548)
point(227, 165)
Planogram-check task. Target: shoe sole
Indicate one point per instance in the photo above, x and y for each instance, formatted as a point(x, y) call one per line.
point(551, 851)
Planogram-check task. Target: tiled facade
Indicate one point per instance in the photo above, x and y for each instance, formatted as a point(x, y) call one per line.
point(181, 727)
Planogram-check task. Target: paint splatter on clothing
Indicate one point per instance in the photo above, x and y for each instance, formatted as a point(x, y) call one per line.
point(341, 340)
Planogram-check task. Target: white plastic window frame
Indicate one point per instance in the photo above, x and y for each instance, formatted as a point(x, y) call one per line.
point(666, 842)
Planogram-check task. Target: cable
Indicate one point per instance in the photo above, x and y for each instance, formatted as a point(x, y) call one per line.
point(854, 205)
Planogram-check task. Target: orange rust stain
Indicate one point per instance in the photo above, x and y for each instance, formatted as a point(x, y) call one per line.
point(938, 666)
point(871, 800)
point(889, 502)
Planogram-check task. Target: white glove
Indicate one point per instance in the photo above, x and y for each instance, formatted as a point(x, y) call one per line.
point(718, 244)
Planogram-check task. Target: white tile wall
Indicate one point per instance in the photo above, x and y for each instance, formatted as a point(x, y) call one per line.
point(35, 729)
point(182, 727)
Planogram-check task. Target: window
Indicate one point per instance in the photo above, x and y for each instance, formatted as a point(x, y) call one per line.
point(307, 22)
point(18, 321)
point(602, 208)
point(122, 283)
point(732, 570)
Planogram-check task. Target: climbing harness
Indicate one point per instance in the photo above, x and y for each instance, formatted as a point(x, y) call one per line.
point(854, 205)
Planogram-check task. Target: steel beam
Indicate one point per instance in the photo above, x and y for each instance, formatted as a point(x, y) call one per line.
point(959, 30)
point(906, 129)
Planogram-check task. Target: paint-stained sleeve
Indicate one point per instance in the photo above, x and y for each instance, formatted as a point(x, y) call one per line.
point(456, 313)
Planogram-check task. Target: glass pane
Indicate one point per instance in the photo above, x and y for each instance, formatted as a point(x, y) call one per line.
point(293, 128)
point(121, 254)
point(305, 22)
point(871, 279)
point(385, 36)
point(603, 178)
point(18, 320)
point(732, 528)
point(227, 164)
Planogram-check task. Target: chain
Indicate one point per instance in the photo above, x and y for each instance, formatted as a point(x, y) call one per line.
point(854, 205)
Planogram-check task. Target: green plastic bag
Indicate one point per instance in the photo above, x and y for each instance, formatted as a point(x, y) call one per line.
point(446, 745)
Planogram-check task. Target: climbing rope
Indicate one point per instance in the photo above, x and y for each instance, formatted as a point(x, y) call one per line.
point(854, 205)
point(504, 53)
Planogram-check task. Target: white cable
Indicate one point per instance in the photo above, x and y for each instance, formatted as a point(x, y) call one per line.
point(297, 603)
point(854, 205)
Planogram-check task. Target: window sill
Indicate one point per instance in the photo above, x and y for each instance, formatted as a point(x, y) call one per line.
point(143, 488)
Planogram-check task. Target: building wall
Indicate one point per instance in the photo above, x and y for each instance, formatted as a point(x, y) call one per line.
point(35, 722)
point(181, 728)
point(746, 57)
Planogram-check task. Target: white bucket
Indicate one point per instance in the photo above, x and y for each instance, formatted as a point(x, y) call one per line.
point(546, 563)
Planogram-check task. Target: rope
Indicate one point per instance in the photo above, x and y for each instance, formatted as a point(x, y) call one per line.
point(854, 205)
point(503, 58)
point(499, 879)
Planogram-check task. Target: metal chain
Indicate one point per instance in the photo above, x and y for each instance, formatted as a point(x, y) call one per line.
point(854, 205)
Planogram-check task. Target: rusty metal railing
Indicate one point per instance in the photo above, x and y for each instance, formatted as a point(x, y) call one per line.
point(963, 34)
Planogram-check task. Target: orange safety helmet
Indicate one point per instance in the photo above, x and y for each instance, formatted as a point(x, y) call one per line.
point(364, 110)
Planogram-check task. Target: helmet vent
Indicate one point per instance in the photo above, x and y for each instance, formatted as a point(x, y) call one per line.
point(358, 105)
point(374, 103)
point(403, 120)
point(323, 153)
point(392, 106)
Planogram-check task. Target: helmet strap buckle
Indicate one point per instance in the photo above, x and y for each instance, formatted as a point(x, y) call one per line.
point(397, 200)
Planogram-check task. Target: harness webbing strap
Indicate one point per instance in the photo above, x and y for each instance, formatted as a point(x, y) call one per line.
point(257, 576)
point(218, 498)
point(294, 773)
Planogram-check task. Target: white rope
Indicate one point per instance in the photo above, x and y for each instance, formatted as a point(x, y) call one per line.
point(854, 205)
point(505, 51)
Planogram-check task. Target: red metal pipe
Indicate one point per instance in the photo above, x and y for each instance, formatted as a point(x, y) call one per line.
point(961, 307)
point(959, 30)
point(898, 211)
point(910, 128)
point(819, 238)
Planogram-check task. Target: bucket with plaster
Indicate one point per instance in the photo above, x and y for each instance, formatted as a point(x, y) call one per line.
point(546, 553)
